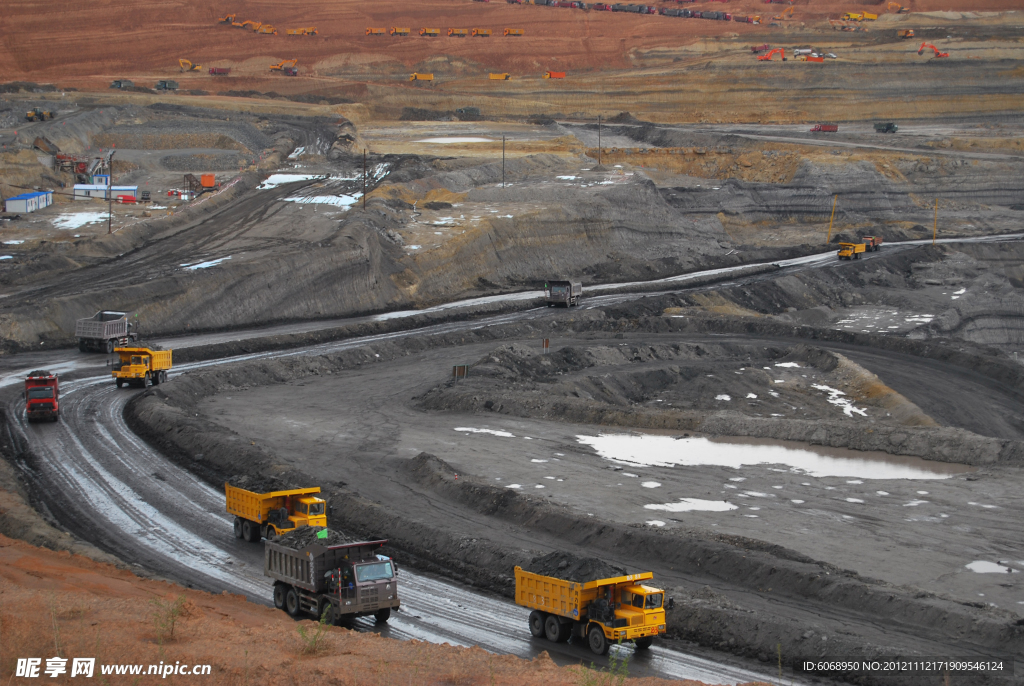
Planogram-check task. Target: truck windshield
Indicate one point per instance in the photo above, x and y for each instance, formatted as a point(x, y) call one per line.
point(136, 359)
point(653, 601)
point(38, 393)
point(559, 290)
point(374, 572)
point(316, 508)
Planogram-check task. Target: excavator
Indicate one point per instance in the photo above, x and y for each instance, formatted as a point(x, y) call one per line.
point(188, 66)
point(228, 19)
point(900, 9)
point(38, 114)
point(252, 25)
point(281, 66)
point(768, 57)
point(780, 17)
point(938, 53)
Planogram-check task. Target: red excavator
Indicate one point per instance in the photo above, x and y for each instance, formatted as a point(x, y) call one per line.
point(938, 53)
point(768, 57)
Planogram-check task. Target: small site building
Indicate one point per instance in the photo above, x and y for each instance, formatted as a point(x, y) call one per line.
point(29, 202)
point(85, 191)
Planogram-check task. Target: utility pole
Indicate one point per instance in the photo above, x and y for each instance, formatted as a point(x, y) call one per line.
point(110, 190)
point(935, 229)
point(834, 201)
point(502, 161)
point(364, 178)
point(599, 140)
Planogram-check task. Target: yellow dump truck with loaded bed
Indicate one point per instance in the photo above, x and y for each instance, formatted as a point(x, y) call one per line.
point(141, 366)
point(850, 251)
point(265, 515)
point(602, 612)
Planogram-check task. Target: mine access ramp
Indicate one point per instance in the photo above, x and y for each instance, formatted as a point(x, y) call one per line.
point(331, 580)
point(603, 611)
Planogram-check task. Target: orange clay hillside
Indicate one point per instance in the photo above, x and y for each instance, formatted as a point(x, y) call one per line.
point(153, 35)
point(59, 604)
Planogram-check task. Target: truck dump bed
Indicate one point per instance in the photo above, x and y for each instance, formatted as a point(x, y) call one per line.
point(561, 596)
point(256, 506)
point(307, 568)
point(103, 325)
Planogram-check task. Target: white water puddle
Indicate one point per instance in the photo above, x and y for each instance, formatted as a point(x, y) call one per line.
point(455, 139)
point(655, 522)
point(298, 151)
point(205, 265)
point(493, 432)
point(78, 219)
point(515, 486)
point(837, 397)
point(651, 484)
point(983, 567)
point(14, 242)
point(336, 200)
point(566, 178)
point(724, 397)
point(6, 257)
point(791, 365)
point(693, 504)
point(919, 319)
point(668, 451)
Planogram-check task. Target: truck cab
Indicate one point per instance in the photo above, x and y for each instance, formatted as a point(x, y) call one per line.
point(307, 511)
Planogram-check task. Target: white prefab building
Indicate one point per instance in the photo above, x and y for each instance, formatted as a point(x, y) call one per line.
point(29, 202)
point(85, 191)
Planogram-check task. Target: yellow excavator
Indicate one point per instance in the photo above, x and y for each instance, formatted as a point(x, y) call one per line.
point(188, 66)
point(281, 66)
point(788, 10)
point(900, 9)
point(229, 19)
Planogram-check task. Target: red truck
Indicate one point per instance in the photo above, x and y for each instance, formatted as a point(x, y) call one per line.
point(831, 128)
point(220, 71)
point(42, 391)
point(873, 243)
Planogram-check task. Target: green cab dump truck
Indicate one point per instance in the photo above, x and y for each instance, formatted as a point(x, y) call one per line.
point(265, 515)
point(601, 611)
point(342, 580)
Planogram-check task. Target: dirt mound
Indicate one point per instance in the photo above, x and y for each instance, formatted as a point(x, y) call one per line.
point(308, 535)
point(573, 568)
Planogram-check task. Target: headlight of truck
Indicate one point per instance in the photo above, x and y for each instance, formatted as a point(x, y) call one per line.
point(661, 627)
point(622, 633)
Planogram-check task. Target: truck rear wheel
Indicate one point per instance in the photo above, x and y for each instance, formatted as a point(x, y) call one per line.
point(291, 603)
point(280, 590)
point(596, 640)
point(250, 531)
point(382, 615)
point(555, 630)
point(163, 377)
point(537, 623)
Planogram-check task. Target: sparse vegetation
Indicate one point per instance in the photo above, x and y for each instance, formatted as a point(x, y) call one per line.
point(313, 642)
point(166, 614)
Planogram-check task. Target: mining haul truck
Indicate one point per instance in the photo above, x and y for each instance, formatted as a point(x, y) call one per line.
point(42, 391)
point(265, 515)
point(141, 367)
point(850, 251)
point(603, 611)
point(103, 331)
point(566, 293)
point(332, 581)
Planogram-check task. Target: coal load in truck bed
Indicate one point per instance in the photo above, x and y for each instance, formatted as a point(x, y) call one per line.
point(259, 484)
point(307, 535)
point(573, 568)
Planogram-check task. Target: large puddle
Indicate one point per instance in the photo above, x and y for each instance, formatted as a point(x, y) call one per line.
point(648, 450)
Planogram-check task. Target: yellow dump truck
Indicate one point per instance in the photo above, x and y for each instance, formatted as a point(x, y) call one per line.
point(850, 251)
point(603, 611)
point(421, 77)
point(264, 515)
point(141, 366)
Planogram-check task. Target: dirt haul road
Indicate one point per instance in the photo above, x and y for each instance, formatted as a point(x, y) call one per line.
point(109, 487)
point(91, 525)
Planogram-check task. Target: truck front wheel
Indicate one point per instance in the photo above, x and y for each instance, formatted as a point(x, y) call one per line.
point(537, 623)
point(382, 615)
point(644, 643)
point(119, 382)
point(598, 643)
point(291, 603)
point(110, 347)
point(237, 525)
